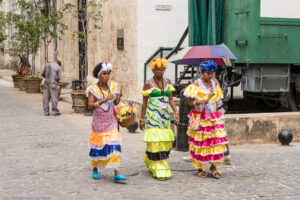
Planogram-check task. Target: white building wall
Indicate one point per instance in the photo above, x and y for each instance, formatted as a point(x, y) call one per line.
point(159, 28)
point(280, 8)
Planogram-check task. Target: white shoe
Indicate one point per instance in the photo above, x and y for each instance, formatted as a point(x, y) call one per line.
point(187, 158)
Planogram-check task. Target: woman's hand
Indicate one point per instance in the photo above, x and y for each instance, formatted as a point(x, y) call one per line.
point(110, 97)
point(121, 89)
point(117, 101)
point(142, 124)
point(177, 118)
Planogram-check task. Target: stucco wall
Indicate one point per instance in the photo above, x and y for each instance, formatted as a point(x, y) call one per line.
point(117, 14)
point(158, 28)
point(67, 47)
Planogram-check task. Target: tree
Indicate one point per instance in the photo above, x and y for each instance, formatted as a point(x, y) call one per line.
point(53, 25)
point(87, 12)
point(2, 26)
point(30, 27)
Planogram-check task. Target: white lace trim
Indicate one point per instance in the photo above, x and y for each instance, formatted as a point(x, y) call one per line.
point(106, 157)
point(92, 146)
point(209, 133)
point(198, 161)
point(210, 154)
point(217, 119)
point(91, 90)
point(206, 138)
point(108, 166)
point(203, 147)
point(205, 89)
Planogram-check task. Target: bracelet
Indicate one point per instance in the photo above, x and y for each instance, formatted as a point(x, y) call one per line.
point(97, 104)
point(176, 113)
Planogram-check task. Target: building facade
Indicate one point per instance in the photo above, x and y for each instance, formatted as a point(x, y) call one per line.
point(131, 30)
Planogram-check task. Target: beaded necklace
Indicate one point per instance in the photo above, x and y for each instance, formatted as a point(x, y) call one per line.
point(162, 89)
point(105, 106)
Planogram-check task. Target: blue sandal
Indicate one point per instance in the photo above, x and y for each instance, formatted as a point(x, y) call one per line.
point(120, 177)
point(96, 175)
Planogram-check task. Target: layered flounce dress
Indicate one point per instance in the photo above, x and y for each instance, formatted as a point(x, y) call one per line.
point(105, 140)
point(207, 141)
point(158, 134)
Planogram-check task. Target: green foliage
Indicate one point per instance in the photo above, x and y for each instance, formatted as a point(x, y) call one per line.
point(31, 76)
point(30, 27)
point(2, 26)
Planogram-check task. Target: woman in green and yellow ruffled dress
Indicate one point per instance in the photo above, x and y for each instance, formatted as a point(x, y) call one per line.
point(155, 118)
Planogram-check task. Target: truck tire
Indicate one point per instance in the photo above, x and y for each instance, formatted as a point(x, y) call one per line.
point(291, 99)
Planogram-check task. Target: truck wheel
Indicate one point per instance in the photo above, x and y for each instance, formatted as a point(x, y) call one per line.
point(292, 99)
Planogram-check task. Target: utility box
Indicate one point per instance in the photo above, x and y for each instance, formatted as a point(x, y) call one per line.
point(77, 85)
point(266, 78)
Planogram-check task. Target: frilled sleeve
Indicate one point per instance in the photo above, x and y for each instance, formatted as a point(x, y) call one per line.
point(193, 91)
point(146, 92)
point(172, 89)
point(218, 94)
point(92, 89)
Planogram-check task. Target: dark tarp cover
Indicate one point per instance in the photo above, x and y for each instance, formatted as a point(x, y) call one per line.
point(200, 22)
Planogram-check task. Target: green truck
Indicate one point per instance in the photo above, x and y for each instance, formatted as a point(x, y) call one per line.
point(267, 48)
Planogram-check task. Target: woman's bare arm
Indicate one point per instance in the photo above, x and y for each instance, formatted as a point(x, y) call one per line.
point(147, 86)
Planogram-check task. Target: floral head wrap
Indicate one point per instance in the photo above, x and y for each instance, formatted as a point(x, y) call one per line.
point(159, 63)
point(105, 67)
point(208, 66)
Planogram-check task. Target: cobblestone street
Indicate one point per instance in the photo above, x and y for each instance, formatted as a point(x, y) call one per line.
point(46, 157)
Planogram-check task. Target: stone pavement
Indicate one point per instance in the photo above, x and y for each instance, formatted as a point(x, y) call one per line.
point(47, 158)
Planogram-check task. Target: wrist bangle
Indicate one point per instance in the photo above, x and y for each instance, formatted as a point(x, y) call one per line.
point(97, 104)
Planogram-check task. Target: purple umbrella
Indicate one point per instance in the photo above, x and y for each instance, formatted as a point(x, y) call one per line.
point(195, 55)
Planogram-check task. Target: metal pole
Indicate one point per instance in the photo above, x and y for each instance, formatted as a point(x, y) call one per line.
point(213, 21)
point(145, 72)
point(176, 73)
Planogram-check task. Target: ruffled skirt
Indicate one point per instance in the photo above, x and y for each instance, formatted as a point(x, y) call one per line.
point(105, 149)
point(207, 142)
point(159, 144)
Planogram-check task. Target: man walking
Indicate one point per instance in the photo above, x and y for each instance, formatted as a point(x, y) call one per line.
point(52, 74)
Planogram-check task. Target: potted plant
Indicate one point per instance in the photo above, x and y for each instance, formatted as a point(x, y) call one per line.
point(32, 82)
point(21, 83)
point(79, 101)
point(18, 76)
point(31, 26)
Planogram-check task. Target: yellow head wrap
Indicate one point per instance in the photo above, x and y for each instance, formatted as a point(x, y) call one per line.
point(159, 63)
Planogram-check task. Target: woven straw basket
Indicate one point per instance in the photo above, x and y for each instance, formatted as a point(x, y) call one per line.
point(128, 121)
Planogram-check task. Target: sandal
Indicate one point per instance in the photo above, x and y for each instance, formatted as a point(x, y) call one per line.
point(202, 174)
point(227, 161)
point(216, 174)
